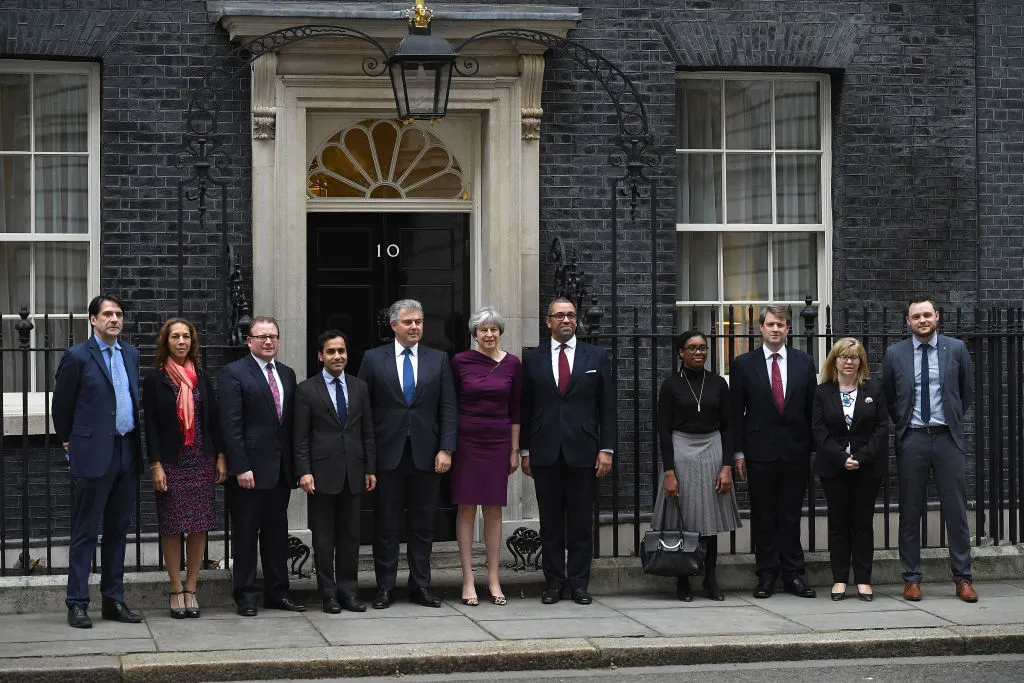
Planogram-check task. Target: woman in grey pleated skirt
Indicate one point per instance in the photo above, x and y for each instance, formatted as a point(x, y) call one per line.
point(696, 454)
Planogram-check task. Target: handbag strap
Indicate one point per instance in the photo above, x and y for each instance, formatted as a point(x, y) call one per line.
point(679, 505)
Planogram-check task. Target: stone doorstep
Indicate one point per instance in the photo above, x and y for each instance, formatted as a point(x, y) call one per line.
point(609, 576)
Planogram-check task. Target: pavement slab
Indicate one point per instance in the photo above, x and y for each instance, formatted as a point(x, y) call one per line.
point(712, 620)
point(847, 621)
point(74, 648)
point(986, 611)
point(400, 630)
point(531, 608)
point(791, 605)
point(66, 669)
point(35, 628)
point(663, 601)
point(516, 629)
point(238, 633)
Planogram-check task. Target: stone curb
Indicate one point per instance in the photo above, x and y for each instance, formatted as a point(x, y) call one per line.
point(519, 655)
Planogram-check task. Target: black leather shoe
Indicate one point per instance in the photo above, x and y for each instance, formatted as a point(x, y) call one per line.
point(384, 599)
point(683, 590)
point(332, 606)
point(581, 597)
point(423, 596)
point(247, 609)
point(285, 603)
point(118, 611)
point(78, 617)
point(764, 588)
point(712, 590)
point(550, 596)
point(351, 604)
point(797, 587)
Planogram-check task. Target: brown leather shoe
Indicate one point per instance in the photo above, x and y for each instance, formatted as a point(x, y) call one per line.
point(965, 591)
point(911, 591)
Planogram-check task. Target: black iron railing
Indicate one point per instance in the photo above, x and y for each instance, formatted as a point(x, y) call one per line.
point(994, 426)
point(35, 499)
point(36, 487)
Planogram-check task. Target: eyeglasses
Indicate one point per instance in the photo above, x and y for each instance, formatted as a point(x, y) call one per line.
point(848, 359)
point(696, 349)
point(264, 338)
point(563, 316)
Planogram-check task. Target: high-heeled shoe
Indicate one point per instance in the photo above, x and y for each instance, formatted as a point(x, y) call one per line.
point(866, 597)
point(838, 595)
point(177, 612)
point(192, 610)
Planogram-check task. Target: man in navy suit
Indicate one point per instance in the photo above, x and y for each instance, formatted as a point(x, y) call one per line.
point(567, 437)
point(928, 382)
point(772, 389)
point(412, 397)
point(96, 416)
point(257, 395)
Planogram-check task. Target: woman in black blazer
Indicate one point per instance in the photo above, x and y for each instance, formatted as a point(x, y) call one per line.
point(850, 426)
point(186, 455)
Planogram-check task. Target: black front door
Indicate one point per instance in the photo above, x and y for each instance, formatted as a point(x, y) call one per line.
point(360, 263)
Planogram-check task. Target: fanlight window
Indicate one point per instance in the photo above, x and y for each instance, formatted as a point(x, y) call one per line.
point(385, 160)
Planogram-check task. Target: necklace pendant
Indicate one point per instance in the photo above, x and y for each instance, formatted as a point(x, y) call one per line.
point(698, 407)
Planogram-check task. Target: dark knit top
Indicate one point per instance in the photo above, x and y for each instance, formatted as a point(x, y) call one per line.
point(677, 411)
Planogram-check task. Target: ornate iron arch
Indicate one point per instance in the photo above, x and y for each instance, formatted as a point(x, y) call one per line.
point(203, 155)
point(630, 150)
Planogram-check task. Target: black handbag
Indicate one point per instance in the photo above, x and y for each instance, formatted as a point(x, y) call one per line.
point(673, 552)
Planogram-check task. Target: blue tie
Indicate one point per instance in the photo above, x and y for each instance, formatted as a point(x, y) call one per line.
point(339, 401)
point(926, 394)
point(124, 422)
point(408, 378)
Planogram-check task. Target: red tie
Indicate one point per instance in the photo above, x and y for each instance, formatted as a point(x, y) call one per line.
point(777, 393)
point(563, 371)
point(273, 389)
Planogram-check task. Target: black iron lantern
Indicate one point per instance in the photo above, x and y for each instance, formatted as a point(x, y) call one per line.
point(421, 69)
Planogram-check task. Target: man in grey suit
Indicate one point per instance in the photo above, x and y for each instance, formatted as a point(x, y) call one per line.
point(335, 461)
point(928, 382)
point(413, 401)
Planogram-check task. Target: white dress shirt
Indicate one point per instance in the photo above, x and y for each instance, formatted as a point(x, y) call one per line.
point(400, 363)
point(277, 376)
point(570, 353)
point(329, 379)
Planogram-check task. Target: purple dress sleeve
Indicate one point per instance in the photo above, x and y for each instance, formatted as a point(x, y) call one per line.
point(515, 395)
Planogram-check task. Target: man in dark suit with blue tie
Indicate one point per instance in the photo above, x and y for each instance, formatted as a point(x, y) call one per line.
point(96, 416)
point(257, 396)
point(567, 437)
point(412, 397)
point(335, 461)
point(928, 382)
point(772, 390)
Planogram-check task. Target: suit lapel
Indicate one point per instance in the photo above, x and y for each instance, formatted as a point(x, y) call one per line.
point(97, 355)
point(858, 407)
point(325, 396)
point(392, 372)
point(423, 371)
point(579, 366)
point(943, 352)
point(761, 369)
point(261, 381)
point(790, 376)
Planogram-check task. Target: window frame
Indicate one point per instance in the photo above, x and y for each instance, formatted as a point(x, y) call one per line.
point(91, 236)
point(823, 229)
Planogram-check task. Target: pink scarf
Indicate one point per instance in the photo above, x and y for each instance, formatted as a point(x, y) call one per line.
point(185, 377)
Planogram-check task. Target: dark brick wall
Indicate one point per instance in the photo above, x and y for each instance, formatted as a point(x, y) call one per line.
point(152, 53)
point(1000, 87)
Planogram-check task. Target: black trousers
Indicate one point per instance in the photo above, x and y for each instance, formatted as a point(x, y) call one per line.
point(565, 499)
point(259, 520)
point(418, 491)
point(851, 512)
point(334, 522)
point(777, 492)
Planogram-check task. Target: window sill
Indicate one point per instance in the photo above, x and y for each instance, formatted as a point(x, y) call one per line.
point(13, 413)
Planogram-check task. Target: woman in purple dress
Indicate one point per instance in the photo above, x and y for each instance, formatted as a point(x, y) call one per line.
point(489, 385)
point(186, 456)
